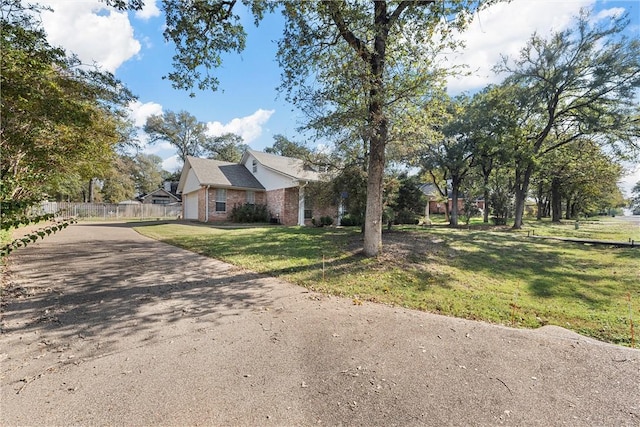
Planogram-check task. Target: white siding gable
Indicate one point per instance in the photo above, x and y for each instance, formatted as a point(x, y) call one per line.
point(269, 179)
point(192, 184)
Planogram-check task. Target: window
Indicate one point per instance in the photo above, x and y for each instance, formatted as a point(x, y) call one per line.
point(160, 200)
point(251, 197)
point(221, 200)
point(255, 166)
point(308, 207)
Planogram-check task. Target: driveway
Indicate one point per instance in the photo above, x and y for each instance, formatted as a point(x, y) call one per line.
point(102, 326)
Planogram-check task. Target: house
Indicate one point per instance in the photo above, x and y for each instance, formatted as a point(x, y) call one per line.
point(161, 196)
point(211, 188)
point(437, 204)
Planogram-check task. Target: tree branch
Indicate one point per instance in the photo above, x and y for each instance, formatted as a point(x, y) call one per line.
point(353, 41)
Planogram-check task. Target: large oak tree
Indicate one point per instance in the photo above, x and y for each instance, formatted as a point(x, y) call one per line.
point(383, 44)
point(576, 84)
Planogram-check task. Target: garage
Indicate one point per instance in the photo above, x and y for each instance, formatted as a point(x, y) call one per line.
point(190, 203)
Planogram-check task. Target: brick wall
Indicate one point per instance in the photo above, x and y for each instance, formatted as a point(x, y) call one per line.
point(283, 204)
point(234, 197)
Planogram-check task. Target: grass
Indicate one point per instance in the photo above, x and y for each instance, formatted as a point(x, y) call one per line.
point(496, 276)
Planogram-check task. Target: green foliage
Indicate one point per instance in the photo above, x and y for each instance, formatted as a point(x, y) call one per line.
point(579, 83)
point(283, 146)
point(227, 148)
point(409, 196)
point(470, 209)
point(32, 236)
point(351, 220)
point(182, 130)
point(249, 213)
point(406, 216)
point(324, 221)
point(59, 120)
point(347, 65)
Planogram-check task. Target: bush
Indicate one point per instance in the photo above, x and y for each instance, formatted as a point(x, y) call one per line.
point(250, 213)
point(470, 210)
point(351, 221)
point(406, 217)
point(323, 221)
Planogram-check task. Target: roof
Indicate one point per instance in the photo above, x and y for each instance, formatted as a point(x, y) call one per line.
point(220, 174)
point(294, 168)
point(429, 190)
point(160, 191)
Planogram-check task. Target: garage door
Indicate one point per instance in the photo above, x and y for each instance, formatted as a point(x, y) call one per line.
point(190, 202)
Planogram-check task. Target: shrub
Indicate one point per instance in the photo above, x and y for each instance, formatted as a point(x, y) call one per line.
point(406, 217)
point(351, 220)
point(323, 221)
point(470, 210)
point(250, 213)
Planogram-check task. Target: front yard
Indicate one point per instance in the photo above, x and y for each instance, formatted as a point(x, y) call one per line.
point(495, 276)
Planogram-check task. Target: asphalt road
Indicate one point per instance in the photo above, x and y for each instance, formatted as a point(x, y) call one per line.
point(101, 326)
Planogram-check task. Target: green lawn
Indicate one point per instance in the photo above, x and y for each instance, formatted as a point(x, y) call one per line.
point(496, 276)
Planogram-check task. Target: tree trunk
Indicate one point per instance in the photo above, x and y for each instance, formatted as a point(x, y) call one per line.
point(556, 201)
point(540, 200)
point(91, 195)
point(567, 212)
point(522, 188)
point(453, 221)
point(377, 136)
point(486, 173)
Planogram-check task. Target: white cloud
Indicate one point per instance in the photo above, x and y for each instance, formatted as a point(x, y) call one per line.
point(150, 10)
point(91, 30)
point(249, 127)
point(504, 29)
point(172, 164)
point(139, 111)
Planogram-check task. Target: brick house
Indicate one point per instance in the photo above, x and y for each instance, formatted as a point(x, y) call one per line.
point(211, 188)
point(437, 204)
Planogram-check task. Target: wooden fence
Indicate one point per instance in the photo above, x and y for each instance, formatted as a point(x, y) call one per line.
point(106, 211)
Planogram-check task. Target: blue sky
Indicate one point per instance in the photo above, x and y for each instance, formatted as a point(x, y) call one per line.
point(130, 44)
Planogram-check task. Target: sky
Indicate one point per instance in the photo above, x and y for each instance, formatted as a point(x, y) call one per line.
point(130, 45)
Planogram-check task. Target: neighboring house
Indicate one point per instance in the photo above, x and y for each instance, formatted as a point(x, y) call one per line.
point(211, 188)
point(161, 196)
point(437, 204)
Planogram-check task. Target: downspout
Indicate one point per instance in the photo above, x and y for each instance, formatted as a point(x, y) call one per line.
point(206, 204)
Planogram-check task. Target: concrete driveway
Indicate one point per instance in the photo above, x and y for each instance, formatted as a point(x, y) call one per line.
point(102, 326)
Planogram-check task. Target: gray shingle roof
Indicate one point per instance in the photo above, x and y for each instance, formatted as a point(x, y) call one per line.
point(223, 174)
point(290, 166)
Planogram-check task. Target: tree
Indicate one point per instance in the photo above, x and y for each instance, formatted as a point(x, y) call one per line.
point(453, 154)
point(283, 146)
point(579, 83)
point(228, 147)
point(182, 130)
point(382, 45)
point(58, 119)
point(578, 174)
point(119, 183)
point(146, 172)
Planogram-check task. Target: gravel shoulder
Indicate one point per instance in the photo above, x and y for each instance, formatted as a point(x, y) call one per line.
point(102, 326)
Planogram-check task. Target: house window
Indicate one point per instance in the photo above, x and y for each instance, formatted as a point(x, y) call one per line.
point(251, 197)
point(221, 200)
point(160, 200)
point(255, 166)
point(308, 207)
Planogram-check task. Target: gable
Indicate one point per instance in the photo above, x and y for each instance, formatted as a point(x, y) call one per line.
point(160, 192)
point(286, 166)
